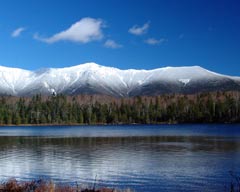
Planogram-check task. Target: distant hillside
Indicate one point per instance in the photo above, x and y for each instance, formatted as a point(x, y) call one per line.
point(217, 107)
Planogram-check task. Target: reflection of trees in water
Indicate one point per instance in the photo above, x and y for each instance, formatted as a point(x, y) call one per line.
point(153, 143)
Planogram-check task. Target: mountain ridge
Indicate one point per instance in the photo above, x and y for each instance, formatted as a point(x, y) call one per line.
point(92, 78)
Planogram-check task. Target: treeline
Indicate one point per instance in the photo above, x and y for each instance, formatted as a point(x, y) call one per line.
point(219, 107)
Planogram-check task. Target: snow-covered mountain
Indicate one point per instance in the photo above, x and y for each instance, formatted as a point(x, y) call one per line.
point(91, 78)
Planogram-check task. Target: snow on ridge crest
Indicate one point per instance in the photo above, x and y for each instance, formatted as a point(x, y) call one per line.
point(14, 80)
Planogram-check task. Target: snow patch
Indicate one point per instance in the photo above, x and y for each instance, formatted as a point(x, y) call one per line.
point(140, 82)
point(53, 92)
point(184, 81)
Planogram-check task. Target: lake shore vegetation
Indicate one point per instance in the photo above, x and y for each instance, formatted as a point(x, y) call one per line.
point(40, 185)
point(216, 107)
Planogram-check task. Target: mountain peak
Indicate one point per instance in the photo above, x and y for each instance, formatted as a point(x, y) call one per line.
point(87, 65)
point(92, 78)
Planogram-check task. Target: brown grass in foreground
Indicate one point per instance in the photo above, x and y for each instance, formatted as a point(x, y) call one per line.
point(44, 186)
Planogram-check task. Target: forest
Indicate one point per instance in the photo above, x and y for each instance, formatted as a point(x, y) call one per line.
point(216, 107)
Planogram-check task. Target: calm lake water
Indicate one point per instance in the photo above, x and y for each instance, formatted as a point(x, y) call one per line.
point(143, 158)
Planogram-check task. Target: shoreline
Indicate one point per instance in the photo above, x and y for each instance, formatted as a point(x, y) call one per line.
point(40, 185)
point(114, 124)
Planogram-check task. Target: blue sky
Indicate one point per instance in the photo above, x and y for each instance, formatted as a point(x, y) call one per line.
point(125, 34)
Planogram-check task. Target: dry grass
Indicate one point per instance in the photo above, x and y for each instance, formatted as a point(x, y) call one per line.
point(45, 186)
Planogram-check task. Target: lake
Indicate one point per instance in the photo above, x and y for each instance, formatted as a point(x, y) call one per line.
point(143, 158)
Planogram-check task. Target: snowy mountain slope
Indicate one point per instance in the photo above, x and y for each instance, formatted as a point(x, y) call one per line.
point(13, 80)
point(91, 78)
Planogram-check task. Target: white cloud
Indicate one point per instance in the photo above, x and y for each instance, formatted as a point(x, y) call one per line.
point(112, 44)
point(86, 30)
point(153, 41)
point(17, 32)
point(137, 30)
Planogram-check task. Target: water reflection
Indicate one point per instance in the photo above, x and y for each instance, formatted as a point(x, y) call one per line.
point(145, 163)
point(153, 143)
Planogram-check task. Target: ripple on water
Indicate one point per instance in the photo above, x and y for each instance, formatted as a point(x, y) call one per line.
point(191, 162)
